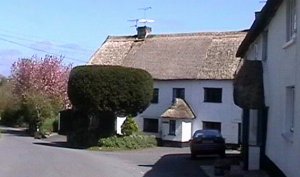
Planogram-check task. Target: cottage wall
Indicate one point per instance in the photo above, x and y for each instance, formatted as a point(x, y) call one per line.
point(281, 70)
point(227, 113)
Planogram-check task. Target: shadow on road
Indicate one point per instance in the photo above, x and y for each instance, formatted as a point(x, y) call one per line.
point(15, 131)
point(54, 144)
point(179, 165)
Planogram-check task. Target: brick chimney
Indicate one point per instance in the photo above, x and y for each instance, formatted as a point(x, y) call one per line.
point(143, 31)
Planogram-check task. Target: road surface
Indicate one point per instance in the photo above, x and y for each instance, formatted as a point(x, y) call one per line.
point(23, 156)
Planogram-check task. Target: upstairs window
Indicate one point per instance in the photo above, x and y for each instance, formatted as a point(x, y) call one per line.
point(155, 96)
point(178, 93)
point(291, 19)
point(265, 46)
point(213, 95)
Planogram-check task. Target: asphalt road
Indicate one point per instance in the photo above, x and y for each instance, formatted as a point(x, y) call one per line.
point(23, 156)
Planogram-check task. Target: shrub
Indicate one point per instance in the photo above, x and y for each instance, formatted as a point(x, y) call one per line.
point(128, 142)
point(110, 89)
point(48, 126)
point(129, 127)
point(11, 116)
point(102, 92)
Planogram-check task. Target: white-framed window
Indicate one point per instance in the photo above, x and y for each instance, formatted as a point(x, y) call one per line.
point(291, 20)
point(289, 110)
point(172, 127)
point(178, 93)
point(150, 125)
point(155, 96)
point(211, 125)
point(213, 95)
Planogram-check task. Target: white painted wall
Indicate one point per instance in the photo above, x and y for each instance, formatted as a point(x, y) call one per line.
point(282, 69)
point(226, 112)
point(118, 124)
point(186, 130)
point(183, 130)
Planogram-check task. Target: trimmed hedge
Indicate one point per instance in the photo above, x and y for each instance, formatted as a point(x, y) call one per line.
point(95, 88)
point(128, 142)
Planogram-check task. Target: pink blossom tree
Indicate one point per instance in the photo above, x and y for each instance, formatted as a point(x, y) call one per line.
point(46, 76)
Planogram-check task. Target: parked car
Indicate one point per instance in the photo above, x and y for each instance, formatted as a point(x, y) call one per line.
point(207, 141)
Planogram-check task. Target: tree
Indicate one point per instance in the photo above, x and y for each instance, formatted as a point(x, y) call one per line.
point(41, 86)
point(47, 76)
point(103, 92)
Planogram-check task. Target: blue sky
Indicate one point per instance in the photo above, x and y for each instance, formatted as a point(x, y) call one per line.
point(75, 29)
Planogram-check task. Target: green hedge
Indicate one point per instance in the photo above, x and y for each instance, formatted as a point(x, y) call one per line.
point(128, 142)
point(110, 89)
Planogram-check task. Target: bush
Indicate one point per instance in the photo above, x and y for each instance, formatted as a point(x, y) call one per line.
point(129, 127)
point(49, 125)
point(39, 111)
point(110, 89)
point(128, 142)
point(12, 116)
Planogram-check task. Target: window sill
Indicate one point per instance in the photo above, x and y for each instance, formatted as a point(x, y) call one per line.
point(288, 136)
point(290, 42)
point(171, 134)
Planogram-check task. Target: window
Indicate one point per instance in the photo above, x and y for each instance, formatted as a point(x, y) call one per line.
point(150, 125)
point(155, 95)
point(212, 125)
point(265, 46)
point(178, 93)
point(290, 108)
point(291, 22)
point(213, 95)
point(172, 127)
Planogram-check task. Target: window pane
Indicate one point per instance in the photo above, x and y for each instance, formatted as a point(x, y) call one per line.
point(178, 93)
point(155, 95)
point(151, 125)
point(212, 125)
point(172, 127)
point(290, 108)
point(213, 95)
point(291, 19)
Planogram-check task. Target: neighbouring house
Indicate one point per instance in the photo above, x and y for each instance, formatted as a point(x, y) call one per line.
point(267, 87)
point(193, 81)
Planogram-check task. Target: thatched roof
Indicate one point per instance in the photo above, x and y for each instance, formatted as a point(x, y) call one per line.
point(179, 110)
point(260, 23)
point(174, 56)
point(248, 85)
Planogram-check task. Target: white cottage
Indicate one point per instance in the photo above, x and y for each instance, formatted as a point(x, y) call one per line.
point(193, 81)
point(272, 116)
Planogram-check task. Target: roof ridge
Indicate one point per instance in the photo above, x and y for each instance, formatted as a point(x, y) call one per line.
point(223, 33)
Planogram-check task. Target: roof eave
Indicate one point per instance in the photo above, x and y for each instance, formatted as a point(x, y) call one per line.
point(259, 24)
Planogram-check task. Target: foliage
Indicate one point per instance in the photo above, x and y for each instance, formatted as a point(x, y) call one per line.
point(46, 76)
point(127, 142)
point(129, 127)
point(49, 125)
point(7, 98)
point(37, 109)
point(11, 116)
point(114, 89)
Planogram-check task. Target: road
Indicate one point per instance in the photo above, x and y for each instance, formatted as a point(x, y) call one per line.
point(21, 155)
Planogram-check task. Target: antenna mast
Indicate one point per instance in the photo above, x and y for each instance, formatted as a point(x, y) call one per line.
point(143, 20)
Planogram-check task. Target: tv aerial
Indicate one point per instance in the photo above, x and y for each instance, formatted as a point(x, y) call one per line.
point(143, 20)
